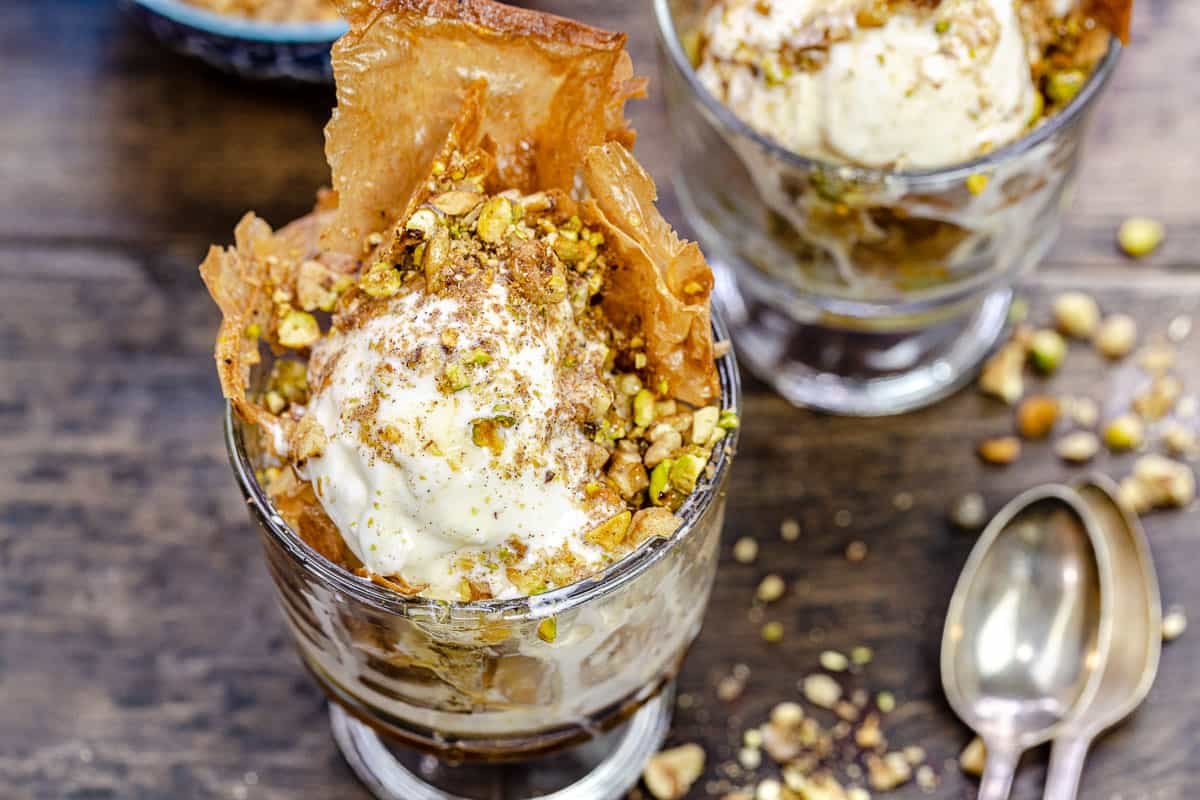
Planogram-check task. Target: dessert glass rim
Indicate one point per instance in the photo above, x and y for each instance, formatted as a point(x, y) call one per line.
point(555, 601)
point(669, 38)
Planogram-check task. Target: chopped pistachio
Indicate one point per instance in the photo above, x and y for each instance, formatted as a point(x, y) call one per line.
point(885, 702)
point(772, 632)
point(275, 402)
point(834, 661)
point(974, 757)
point(685, 471)
point(770, 589)
point(456, 203)
point(1076, 314)
point(454, 378)
point(1126, 432)
point(610, 533)
point(861, 655)
point(1047, 349)
point(628, 383)
point(547, 630)
point(704, 422)
point(787, 715)
point(1174, 623)
point(789, 529)
point(423, 221)
point(382, 280)
point(669, 774)
point(1116, 336)
point(485, 433)
point(822, 690)
point(728, 419)
point(660, 481)
point(1179, 440)
point(856, 551)
point(494, 219)
point(745, 550)
point(1140, 236)
point(977, 183)
point(643, 408)
point(1063, 85)
point(298, 329)
point(969, 512)
point(1077, 446)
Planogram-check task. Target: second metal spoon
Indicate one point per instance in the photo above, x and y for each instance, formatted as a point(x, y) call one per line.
point(1133, 657)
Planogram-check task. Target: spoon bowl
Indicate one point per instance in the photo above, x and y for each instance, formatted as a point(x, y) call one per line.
point(1028, 626)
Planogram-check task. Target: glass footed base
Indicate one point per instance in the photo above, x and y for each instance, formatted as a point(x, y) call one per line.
point(857, 372)
point(603, 768)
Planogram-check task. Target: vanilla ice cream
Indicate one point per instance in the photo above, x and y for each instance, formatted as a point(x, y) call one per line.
point(449, 432)
point(908, 87)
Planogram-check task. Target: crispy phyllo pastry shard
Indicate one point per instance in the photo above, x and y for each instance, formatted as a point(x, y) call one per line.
point(555, 88)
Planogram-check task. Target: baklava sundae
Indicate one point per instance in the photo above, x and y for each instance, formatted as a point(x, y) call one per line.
point(900, 84)
point(483, 369)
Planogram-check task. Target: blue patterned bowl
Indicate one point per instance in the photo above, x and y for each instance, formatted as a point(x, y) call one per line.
point(295, 51)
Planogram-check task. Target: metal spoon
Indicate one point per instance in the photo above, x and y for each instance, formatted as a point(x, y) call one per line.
point(1028, 625)
point(1133, 658)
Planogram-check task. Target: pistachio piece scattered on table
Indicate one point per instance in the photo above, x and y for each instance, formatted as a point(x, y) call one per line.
point(1140, 236)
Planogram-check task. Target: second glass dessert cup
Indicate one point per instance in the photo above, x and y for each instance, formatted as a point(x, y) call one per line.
point(861, 291)
point(559, 696)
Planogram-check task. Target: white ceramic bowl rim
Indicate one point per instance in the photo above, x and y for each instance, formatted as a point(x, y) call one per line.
point(321, 32)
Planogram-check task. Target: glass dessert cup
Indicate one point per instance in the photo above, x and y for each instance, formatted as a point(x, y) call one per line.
point(562, 695)
point(862, 291)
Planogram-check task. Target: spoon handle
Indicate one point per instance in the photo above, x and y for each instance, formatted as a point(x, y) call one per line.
point(1066, 767)
point(998, 772)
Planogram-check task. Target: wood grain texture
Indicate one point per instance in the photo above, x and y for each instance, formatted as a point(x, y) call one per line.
point(141, 655)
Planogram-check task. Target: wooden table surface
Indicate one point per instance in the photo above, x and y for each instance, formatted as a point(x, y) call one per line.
point(141, 653)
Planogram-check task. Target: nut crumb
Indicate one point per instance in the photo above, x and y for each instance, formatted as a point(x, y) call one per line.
point(1174, 624)
point(670, 773)
point(822, 690)
point(973, 757)
point(771, 589)
point(856, 551)
point(745, 550)
point(834, 661)
point(789, 530)
point(1076, 314)
point(1077, 446)
point(969, 512)
point(1000, 449)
